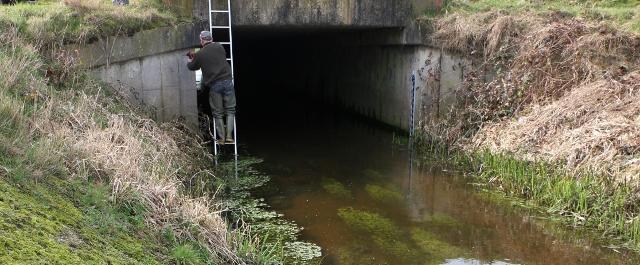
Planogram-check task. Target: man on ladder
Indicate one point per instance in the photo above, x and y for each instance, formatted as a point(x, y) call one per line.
point(217, 78)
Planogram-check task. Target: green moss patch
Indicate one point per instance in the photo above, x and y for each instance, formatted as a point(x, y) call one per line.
point(41, 223)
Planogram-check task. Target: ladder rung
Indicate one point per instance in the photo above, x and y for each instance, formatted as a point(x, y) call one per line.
point(225, 43)
point(220, 27)
point(219, 11)
point(224, 143)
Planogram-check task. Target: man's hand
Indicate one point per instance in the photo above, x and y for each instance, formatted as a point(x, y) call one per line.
point(191, 56)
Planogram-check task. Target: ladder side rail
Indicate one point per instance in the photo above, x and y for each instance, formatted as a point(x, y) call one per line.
point(210, 17)
point(235, 134)
point(235, 137)
point(230, 40)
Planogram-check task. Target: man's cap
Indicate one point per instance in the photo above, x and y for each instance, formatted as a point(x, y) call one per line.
point(206, 35)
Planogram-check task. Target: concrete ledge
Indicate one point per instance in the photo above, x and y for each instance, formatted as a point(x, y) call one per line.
point(142, 44)
point(315, 13)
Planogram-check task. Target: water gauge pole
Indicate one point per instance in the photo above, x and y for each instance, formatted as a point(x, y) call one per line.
point(412, 119)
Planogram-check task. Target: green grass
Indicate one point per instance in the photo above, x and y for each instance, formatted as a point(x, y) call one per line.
point(623, 13)
point(595, 202)
point(57, 221)
point(51, 22)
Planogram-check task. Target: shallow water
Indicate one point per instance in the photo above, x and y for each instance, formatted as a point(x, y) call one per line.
point(361, 199)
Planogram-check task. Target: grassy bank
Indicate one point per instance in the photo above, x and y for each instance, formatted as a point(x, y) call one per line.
point(601, 204)
point(548, 108)
point(87, 178)
point(624, 14)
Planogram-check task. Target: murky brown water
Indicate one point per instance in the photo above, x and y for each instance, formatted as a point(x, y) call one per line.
point(359, 198)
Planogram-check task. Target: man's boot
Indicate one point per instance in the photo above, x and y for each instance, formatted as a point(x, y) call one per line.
point(220, 130)
point(230, 127)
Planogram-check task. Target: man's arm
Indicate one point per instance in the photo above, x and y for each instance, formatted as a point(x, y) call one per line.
point(194, 64)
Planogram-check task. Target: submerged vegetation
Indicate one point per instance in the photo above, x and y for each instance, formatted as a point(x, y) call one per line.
point(334, 187)
point(382, 194)
point(408, 245)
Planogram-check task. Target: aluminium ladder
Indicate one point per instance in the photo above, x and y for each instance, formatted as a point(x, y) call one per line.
point(220, 28)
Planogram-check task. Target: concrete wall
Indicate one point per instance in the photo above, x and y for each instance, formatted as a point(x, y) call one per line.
point(374, 47)
point(149, 68)
point(161, 82)
point(142, 44)
point(314, 13)
point(376, 81)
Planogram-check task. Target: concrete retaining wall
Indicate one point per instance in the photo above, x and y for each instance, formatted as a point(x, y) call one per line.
point(314, 13)
point(149, 68)
point(160, 82)
point(376, 81)
point(373, 50)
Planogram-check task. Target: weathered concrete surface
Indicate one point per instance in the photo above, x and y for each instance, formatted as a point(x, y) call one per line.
point(313, 13)
point(160, 82)
point(375, 81)
point(149, 68)
point(142, 44)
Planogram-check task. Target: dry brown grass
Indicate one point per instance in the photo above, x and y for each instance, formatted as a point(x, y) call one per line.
point(141, 160)
point(594, 128)
point(93, 135)
point(565, 91)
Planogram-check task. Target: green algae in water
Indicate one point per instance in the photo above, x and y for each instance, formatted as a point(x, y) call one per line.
point(381, 194)
point(372, 174)
point(354, 254)
point(431, 245)
point(374, 223)
point(335, 188)
point(442, 219)
point(385, 234)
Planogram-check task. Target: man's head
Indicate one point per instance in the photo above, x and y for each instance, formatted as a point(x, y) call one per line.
point(205, 37)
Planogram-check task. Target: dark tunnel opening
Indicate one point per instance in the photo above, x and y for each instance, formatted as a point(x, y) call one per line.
point(314, 78)
point(285, 75)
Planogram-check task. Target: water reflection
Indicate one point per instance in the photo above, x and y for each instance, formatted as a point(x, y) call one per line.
point(366, 201)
